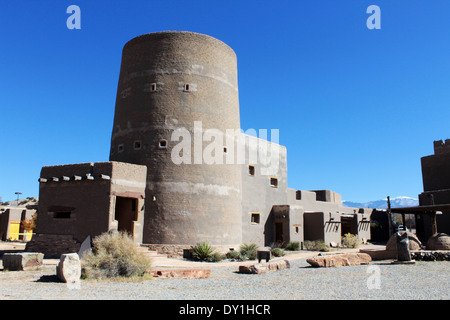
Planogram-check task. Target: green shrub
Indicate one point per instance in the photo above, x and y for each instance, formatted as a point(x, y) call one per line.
point(249, 250)
point(202, 251)
point(277, 252)
point(216, 257)
point(234, 255)
point(317, 245)
point(350, 241)
point(293, 246)
point(114, 254)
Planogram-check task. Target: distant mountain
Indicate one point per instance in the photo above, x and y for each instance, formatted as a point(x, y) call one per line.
point(382, 204)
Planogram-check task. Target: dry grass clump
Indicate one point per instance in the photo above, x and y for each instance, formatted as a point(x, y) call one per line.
point(114, 254)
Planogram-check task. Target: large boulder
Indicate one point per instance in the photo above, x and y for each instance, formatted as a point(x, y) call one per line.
point(414, 242)
point(22, 261)
point(339, 260)
point(69, 268)
point(439, 241)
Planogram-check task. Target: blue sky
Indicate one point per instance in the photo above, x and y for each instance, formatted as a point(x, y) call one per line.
point(356, 108)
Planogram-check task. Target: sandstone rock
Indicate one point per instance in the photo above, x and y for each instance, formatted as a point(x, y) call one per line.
point(253, 269)
point(22, 261)
point(338, 260)
point(69, 268)
point(264, 267)
point(181, 273)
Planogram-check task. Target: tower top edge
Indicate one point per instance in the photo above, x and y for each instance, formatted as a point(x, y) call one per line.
point(157, 34)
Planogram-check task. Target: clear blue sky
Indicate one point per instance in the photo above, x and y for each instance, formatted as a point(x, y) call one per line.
point(356, 108)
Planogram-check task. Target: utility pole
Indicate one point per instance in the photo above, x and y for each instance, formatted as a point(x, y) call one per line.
point(18, 193)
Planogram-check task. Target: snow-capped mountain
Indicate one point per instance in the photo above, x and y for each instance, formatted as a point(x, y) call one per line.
point(382, 204)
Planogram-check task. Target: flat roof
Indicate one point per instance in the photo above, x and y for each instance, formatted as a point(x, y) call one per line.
point(422, 209)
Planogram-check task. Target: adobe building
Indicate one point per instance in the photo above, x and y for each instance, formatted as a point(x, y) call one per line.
point(174, 88)
point(11, 227)
point(436, 189)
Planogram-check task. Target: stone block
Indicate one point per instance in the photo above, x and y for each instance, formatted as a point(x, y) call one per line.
point(69, 268)
point(338, 260)
point(181, 273)
point(22, 261)
point(261, 268)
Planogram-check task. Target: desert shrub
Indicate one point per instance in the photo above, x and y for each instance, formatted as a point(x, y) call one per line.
point(293, 246)
point(202, 251)
point(249, 250)
point(350, 241)
point(277, 252)
point(216, 257)
point(317, 245)
point(234, 255)
point(114, 254)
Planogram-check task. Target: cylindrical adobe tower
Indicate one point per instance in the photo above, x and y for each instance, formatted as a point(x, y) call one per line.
point(180, 80)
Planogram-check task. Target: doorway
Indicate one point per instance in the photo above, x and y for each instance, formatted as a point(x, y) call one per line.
point(313, 226)
point(126, 214)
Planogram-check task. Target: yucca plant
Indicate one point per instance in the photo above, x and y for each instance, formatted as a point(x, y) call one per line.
point(202, 251)
point(250, 250)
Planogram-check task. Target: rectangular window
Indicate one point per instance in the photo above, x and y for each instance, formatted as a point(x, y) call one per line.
point(251, 170)
point(256, 218)
point(163, 144)
point(187, 87)
point(137, 145)
point(274, 182)
point(61, 215)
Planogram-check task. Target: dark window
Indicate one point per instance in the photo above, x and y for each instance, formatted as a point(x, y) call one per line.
point(120, 148)
point(137, 145)
point(274, 182)
point(255, 218)
point(61, 215)
point(163, 143)
point(251, 170)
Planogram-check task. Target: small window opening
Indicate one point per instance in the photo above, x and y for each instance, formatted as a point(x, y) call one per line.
point(255, 218)
point(137, 145)
point(152, 87)
point(274, 182)
point(120, 147)
point(225, 149)
point(296, 229)
point(251, 170)
point(61, 215)
point(163, 143)
point(187, 87)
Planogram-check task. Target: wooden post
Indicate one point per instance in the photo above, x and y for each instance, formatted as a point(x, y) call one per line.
point(389, 217)
point(433, 223)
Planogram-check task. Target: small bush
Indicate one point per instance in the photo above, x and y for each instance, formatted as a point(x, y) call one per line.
point(202, 251)
point(235, 256)
point(249, 250)
point(317, 245)
point(350, 241)
point(114, 254)
point(216, 257)
point(293, 246)
point(277, 252)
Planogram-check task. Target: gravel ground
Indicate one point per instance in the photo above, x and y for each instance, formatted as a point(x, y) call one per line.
point(422, 280)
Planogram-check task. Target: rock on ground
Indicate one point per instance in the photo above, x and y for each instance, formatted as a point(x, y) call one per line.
point(69, 268)
point(338, 260)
